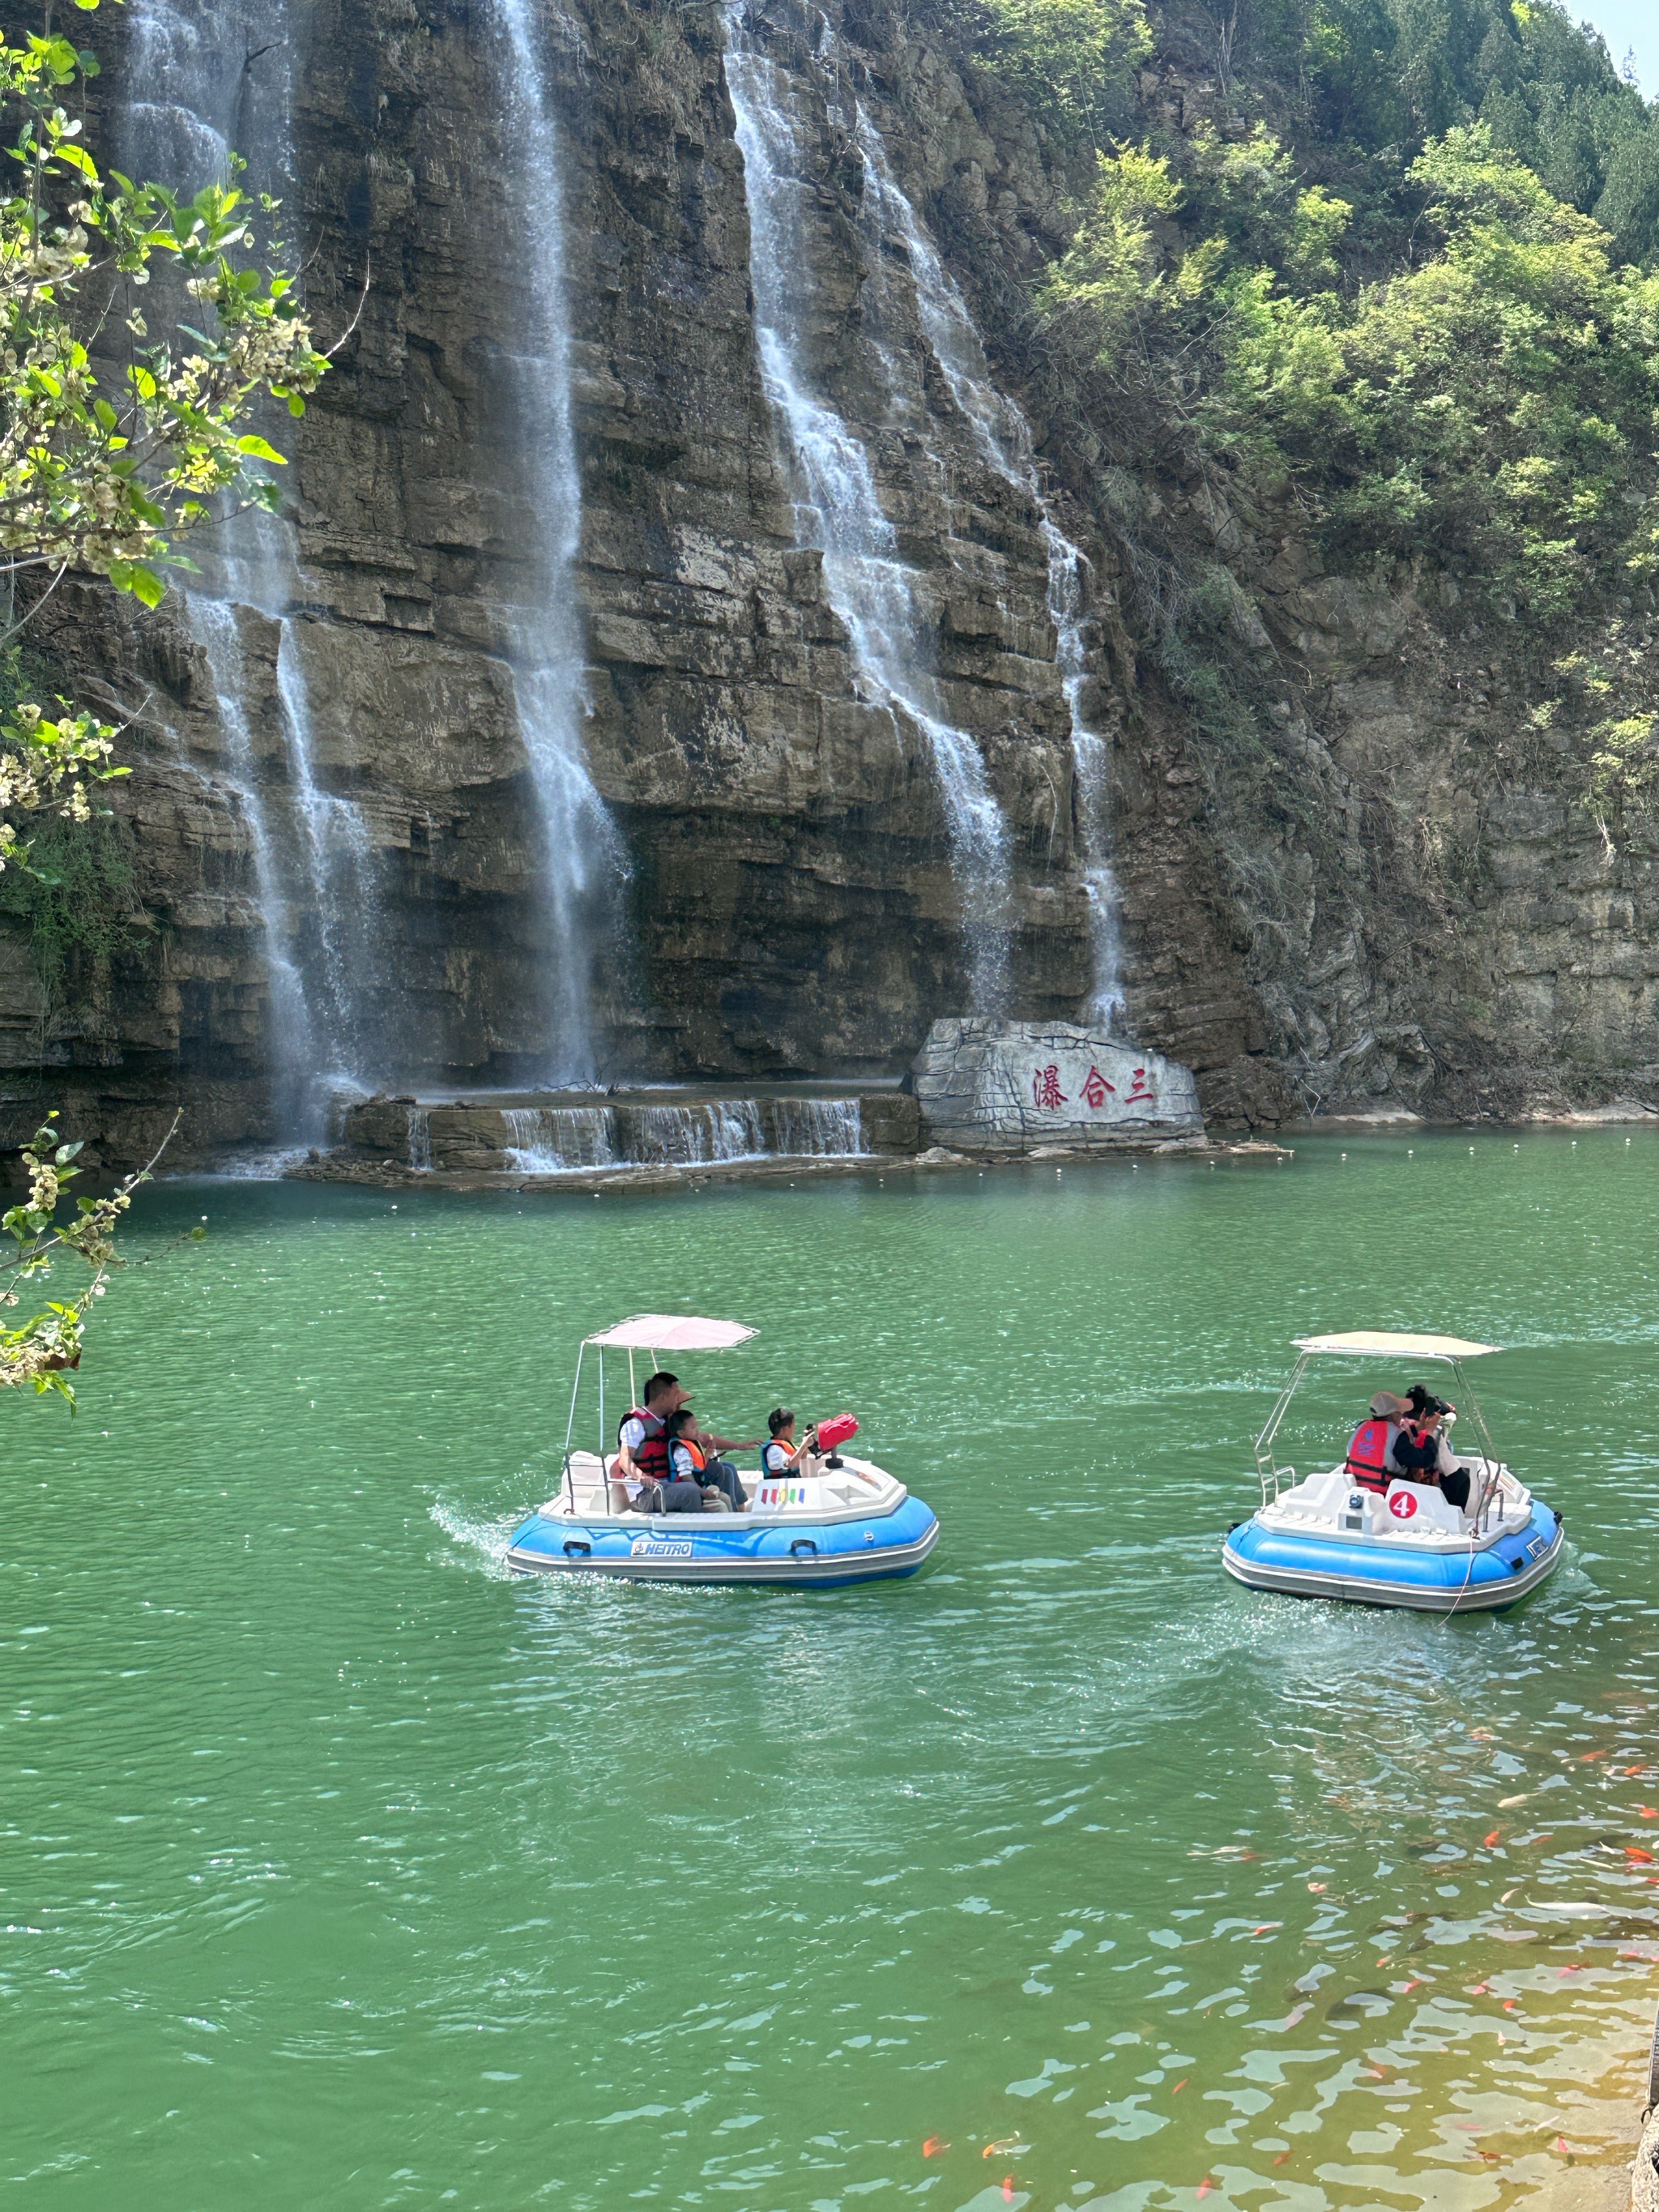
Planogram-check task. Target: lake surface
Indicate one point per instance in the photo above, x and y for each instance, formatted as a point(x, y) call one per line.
point(336, 1869)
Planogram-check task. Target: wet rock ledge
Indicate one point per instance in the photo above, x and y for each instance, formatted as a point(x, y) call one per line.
point(980, 1090)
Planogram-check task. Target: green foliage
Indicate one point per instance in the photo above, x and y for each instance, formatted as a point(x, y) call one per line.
point(1380, 78)
point(1493, 405)
point(74, 894)
point(1073, 61)
point(103, 469)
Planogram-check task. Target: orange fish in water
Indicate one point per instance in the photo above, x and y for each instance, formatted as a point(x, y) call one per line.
point(1206, 2185)
point(1563, 2145)
point(1318, 1888)
point(1585, 1757)
point(1491, 1839)
point(1007, 2187)
point(1280, 2159)
point(1181, 2085)
point(1565, 1970)
point(1648, 1812)
point(1635, 1851)
point(935, 2146)
point(1410, 1986)
point(1635, 1770)
point(1267, 1926)
point(996, 2150)
point(1508, 2004)
point(1481, 1990)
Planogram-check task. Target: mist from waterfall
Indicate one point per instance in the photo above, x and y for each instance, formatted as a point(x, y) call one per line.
point(839, 510)
point(583, 861)
point(211, 77)
point(1005, 438)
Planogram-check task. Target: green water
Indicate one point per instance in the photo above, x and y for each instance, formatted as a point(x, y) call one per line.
point(338, 1870)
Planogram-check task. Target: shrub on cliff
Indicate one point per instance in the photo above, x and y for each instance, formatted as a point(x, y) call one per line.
point(1493, 405)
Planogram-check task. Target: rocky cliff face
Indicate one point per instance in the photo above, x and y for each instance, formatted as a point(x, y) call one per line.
point(792, 902)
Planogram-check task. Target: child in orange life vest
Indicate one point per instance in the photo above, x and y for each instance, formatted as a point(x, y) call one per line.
point(783, 1454)
point(690, 1463)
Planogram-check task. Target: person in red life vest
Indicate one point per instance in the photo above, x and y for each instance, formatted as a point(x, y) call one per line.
point(1423, 1453)
point(642, 1472)
point(1371, 1463)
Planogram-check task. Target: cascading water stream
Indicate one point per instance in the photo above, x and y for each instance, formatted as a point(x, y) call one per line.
point(583, 862)
point(839, 510)
point(211, 76)
point(565, 1139)
point(1005, 438)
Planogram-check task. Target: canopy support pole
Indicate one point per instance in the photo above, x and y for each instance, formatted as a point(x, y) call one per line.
point(1267, 1466)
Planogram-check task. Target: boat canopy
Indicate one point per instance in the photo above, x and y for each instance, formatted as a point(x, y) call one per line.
point(1384, 1344)
point(671, 1332)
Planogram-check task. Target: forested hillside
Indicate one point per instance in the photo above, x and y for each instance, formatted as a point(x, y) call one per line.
point(1363, 290)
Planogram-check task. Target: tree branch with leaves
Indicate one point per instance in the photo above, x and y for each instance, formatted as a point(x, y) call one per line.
point(116, 440)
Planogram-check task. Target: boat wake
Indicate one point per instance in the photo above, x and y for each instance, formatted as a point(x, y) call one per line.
point(481, 1543)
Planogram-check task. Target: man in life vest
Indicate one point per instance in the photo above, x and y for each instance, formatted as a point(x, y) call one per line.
point(1371, 1463)
point(642, 1478)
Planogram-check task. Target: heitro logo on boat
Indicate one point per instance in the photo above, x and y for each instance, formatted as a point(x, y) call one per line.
point(660, 1547)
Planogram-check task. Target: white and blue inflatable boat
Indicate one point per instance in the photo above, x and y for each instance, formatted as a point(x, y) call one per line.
point(836, 1519)
point(1329, 1535)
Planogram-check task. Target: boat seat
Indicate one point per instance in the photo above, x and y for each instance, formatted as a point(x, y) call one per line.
point(1319, 1496)
point(1429, 1508)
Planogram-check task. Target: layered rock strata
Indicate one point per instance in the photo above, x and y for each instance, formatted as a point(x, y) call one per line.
point(1457, 936)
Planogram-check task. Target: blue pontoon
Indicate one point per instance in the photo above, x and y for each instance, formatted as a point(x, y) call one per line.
point(1326, 1536)
point(835, 1520)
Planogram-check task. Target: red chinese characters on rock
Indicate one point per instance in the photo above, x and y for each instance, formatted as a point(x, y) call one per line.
point(1046, 1092)
point(1097, 1091)
point(1140, 1089)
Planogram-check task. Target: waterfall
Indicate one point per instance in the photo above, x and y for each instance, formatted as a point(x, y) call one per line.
point(1005, 438)
point(818, 1128)
point(553, 1139)
point(838, 510)
point(583, 864)
point(565, 1139)
point(692, 1136)
point(420, 1139)
point(211, 76)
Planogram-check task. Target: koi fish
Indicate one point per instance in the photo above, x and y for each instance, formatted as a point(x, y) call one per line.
point(999, 2150)
point(935, 2146)
point(1280, 2159)
point(1634, 1851)
point(1563, 2145)
point(1181, 2085)
point(1648, 1812)
point(1481, 1990)
point(1007, 2187)
point(1491, 1839)
point(1206, 2185)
